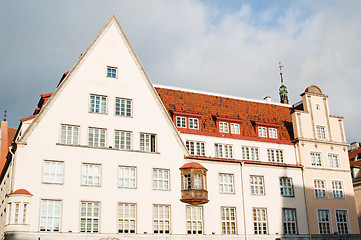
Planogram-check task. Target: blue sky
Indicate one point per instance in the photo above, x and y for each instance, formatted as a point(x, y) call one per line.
point(230, 47)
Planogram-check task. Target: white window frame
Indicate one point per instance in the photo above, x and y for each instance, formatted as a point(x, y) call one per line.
point(111, 74)
point(223, 127)
point(100, 107)
point(92, 218)
point(346, 223)
point(181, 122)
point(194, 218)
point(123, 107)
point(161, 219)
point(286, 187)
point(56, 170)
point(196, 148)
point(160, 180)
point(89, 177)
point(257, 186)
point(329, 222)
point(321, 132)
point(127, 219)
point(69, 134)
point(127, 178)
point(235, 128)
point(123, 140)
point(273, 133)
point(55, 226)
point(316, 162)
point(17, 213)
point(337, 189)
point(334, 160)
point(289, 221)
point(275, 155)
point(97, 136)
point(260, 226)
point(262, 131)
point(193, 123)
point(25, 212)
point(229, 223)
point(319, 190)
point(148, 142)
point(224, 150)
point(250, 153)
point(226, 183)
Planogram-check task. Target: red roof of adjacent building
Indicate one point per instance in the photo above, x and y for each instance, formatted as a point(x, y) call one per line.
point(210, 107)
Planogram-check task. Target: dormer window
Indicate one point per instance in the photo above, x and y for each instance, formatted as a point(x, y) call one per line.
point(181, 122)
point(228, 125)
point(186, 121)
point(272, 133)
point(193, 123)
point(223, 127)
point(262, 132)
point(235, 128)
point(267, 130)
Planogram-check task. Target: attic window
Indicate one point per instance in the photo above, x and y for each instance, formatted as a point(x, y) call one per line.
point(267, 130)
point(111, 72)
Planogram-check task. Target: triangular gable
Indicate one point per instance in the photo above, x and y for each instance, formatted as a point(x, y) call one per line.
point(112, 21)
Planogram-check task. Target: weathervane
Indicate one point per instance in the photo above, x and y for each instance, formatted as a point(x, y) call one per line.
point(5, 115)
point(281, 73)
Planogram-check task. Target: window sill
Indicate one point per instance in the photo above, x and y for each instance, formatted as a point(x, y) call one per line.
point(105, 148)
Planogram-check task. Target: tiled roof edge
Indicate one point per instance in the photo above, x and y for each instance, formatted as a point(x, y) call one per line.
point(221, 95)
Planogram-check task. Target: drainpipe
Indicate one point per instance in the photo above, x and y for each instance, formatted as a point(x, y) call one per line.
point(13, 168)
point(243, 199)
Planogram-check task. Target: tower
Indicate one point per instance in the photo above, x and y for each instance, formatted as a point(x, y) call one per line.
point(283, 89)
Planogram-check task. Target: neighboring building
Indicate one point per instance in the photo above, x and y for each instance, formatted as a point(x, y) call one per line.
point(108, 155)
point(6, 137)
point(319, 138)
point(354, 155)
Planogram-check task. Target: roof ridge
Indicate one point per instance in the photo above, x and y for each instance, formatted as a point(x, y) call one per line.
point(221, 95)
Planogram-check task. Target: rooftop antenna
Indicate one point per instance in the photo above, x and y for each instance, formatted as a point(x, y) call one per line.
point(5, 115)
point(283, 88)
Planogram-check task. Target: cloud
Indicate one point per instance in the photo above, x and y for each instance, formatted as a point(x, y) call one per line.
point(191, 44)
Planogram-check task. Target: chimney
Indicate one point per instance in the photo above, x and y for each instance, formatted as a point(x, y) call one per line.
point(4, 138)
point(267, 98)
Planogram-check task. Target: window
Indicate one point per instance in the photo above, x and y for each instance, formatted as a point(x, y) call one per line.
point(187, 181)
point(318, 106)
point(193, 123)
point(126, 217)
point(272, 133)
point(161, 219)
point(123, 140)
point(17, 209)
point(161, 179)
point(342, 222)
point(262, 131)
point(224, 151)
point(333, 160)
point(289, 221)
point(275, 155)
point(321, 132)
point(257, 185)
point(194, 220)
point(98, 104)
point(316, 159)
point(286, 187)
point(147, 142)
point(223, 127)
point(181, 122)
point(196, 148)
point(324, 222)
point(228, 220)
point(320, 188)
point(89, 217)
point(127, 177)
point(112, 72)
point(50, 215)
point(69, 134)
point(235, 129)
point(260, 221)
point(226, 183)
point(96, 137)
point(197, 181)
point(25, 212)
point(90, 174)
point(123, 107)
point(337, 190)
point(53, 172)
point(250, 153)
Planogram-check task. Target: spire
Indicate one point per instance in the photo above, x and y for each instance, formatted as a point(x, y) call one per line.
point(283, 88)
point(5, 115)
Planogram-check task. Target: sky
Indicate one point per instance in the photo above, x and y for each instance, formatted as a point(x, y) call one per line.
point(224, 46)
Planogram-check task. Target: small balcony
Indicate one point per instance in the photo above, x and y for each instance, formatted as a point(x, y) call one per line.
point(194, 196)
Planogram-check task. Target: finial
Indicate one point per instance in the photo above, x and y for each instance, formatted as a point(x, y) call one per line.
point(281, 73)
point(5, 115)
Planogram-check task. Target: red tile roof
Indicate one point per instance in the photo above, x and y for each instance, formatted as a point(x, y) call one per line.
point(191, 165)
point(209, 107)
point(21, 191)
